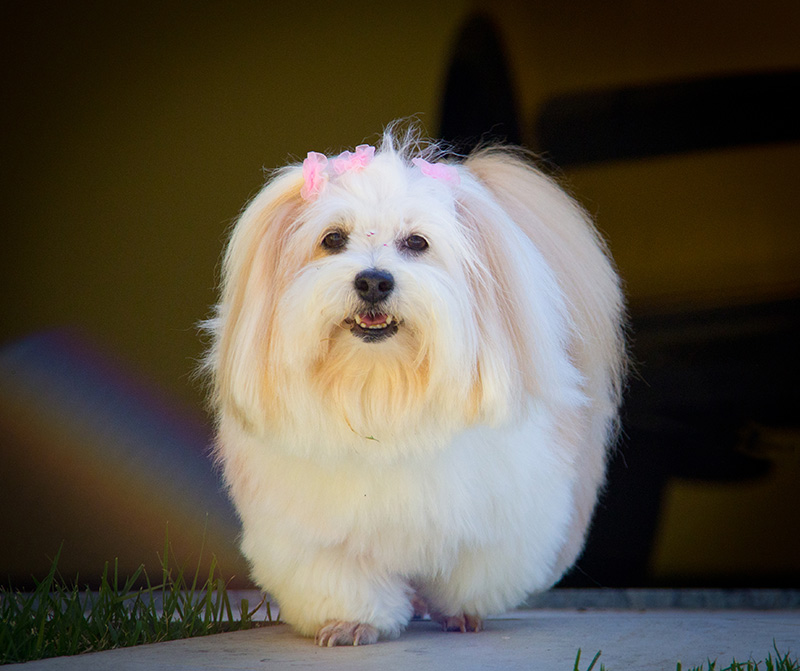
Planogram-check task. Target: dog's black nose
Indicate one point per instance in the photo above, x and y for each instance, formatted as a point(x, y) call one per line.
point(374, 285)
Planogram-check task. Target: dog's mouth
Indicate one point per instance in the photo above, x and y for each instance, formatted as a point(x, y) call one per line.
point(373, 326)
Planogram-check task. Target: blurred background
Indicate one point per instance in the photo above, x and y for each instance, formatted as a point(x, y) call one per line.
point(133, 134)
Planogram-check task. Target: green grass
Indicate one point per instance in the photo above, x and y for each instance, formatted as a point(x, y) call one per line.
point(591, 664)
point(778, 663)
point(59, 618)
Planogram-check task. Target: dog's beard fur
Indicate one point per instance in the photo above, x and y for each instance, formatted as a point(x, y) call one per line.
point(412, 384)
point(510, 318)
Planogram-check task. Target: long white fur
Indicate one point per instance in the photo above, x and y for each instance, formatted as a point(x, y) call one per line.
point(460, 458)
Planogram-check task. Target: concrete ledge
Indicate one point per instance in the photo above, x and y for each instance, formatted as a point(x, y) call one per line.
point(618, 599)
point(636, 599)
point(543, 640)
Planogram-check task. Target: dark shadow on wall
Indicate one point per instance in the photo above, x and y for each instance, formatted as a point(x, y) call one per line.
point(479, 105)
point(711, 386)
point(669, 118)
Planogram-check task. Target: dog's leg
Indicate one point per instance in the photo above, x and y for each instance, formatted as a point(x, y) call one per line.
point(485, 581)
point(420, 606)
point(337, 598)
point(345, 611)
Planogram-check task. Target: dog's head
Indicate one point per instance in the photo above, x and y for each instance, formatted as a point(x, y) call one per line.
point(382, 294)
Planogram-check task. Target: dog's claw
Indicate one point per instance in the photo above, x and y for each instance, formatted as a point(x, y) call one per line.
point(345, 633)
point(463, 623)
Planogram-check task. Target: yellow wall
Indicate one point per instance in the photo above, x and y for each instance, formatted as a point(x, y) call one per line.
point(135, 132)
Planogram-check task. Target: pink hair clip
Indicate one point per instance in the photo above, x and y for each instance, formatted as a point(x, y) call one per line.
point(357, 160)
point(314, 175)
point(441, 171)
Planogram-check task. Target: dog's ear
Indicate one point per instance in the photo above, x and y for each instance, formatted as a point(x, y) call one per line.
point(579, 294)
point(522, 311)
point(254, 272)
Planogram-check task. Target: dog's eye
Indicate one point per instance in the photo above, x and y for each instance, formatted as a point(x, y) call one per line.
point(416, 243)
point(334, 240)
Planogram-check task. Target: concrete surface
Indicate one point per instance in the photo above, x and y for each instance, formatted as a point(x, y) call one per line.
point(534, 640)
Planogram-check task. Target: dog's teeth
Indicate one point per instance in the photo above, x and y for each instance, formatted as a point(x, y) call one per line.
point(374, 327)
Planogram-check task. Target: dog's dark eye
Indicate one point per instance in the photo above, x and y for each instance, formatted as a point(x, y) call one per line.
point(334, 240)
point(415, 243)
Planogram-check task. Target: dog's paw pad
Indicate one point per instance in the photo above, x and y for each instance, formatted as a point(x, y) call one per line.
point(463, 623)
point(345, 633)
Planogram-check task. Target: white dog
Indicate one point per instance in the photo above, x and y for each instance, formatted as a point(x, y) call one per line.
point(417, 364)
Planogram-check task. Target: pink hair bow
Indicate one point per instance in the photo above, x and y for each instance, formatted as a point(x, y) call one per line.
point(441, 171)
point(315, 168)
point(314, 176)
point(357, 160)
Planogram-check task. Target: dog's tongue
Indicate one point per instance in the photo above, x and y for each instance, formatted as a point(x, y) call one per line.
point(372, 320)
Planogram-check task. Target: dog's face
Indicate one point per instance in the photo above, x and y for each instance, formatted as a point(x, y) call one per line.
point(379, 302)
point(380, 273)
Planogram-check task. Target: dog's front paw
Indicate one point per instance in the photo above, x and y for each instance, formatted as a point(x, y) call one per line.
point(345, 633)
point(462, 623)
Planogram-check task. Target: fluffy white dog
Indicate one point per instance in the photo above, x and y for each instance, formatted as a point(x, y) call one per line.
point(416, 363)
